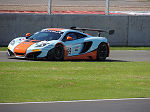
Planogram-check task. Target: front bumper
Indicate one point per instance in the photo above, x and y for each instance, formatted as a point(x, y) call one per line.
point(10, 53)
point(30, 55)
point(33, 55)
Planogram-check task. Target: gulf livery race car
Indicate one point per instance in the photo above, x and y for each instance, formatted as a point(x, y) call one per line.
point(61, 44)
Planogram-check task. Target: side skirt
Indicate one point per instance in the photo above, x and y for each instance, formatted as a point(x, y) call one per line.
point(91, 55)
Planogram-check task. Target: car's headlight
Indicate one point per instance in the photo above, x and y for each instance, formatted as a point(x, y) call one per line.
point(41, 45)
point(12, 42)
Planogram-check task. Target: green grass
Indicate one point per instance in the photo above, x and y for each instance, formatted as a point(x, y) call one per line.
point(3, 48)
point(111, 48)
point(57, 81)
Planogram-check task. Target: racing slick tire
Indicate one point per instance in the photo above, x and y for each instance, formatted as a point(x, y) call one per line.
point(57, 53)
point(50, 56)
point(102, 52)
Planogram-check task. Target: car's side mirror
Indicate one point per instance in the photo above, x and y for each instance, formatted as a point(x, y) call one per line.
point(69, 38)
point(28, 35)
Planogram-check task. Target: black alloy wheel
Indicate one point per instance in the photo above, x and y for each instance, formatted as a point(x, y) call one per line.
point(102, 51)
point(57, 53)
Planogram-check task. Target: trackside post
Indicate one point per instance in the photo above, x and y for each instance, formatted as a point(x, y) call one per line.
point(49, 6)
point(107, 7)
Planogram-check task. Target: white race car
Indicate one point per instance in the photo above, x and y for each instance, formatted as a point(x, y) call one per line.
point(61, 44)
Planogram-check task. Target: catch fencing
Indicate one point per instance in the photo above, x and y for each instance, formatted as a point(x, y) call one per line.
point(58, 6)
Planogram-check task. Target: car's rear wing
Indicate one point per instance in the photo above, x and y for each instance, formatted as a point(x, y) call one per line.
point(110, 32)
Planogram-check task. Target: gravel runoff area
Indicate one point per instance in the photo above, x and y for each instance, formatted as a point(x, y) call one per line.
point(75, 5)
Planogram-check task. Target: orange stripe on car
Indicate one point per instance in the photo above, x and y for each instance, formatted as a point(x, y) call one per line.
point(22, 47)
point(90, 55)
point(56, 29)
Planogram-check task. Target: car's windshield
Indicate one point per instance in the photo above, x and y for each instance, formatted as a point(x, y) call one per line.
point(46, 36)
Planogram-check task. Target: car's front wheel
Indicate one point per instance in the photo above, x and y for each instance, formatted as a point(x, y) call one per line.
point(102, 51)
point(57, 53)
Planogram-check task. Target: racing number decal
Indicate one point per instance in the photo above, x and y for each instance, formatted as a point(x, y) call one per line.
point(69, 50)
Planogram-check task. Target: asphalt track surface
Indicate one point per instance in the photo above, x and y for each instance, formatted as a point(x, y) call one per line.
point(127, 105)
point(115, 56)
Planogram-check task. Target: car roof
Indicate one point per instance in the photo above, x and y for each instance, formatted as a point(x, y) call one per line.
point(58, 29)
point(63, 30)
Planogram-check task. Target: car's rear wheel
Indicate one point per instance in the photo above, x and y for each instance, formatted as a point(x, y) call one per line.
point(57, 53)
point(102, 51)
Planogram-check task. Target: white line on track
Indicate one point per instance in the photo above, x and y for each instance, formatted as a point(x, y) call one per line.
point(3, 51)
point(76, 101)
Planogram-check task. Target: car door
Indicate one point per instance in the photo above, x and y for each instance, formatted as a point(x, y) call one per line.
point(74, 46)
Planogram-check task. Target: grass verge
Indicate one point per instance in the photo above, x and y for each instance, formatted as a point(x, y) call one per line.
point(57, 81)
point(111, 48)
point(3, 48)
